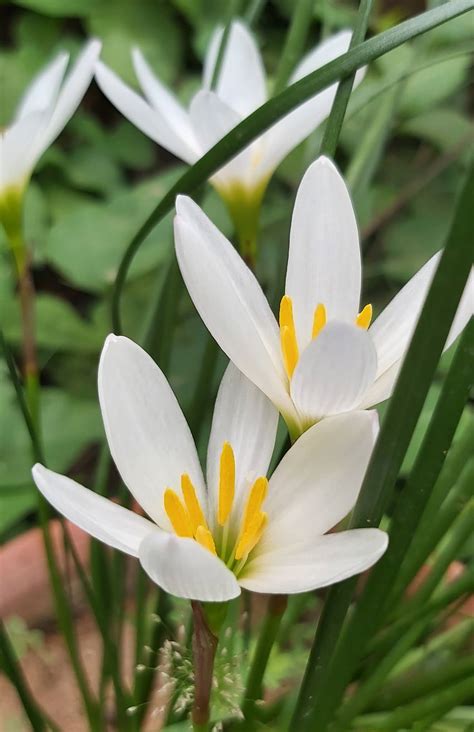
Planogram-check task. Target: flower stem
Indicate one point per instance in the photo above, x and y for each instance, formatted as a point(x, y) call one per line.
point(271, 625)
point(294, 43)
point(204, 651)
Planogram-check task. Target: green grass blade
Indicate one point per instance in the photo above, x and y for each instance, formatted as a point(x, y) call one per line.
point(271, 112)
point(294, 42)
point(341, 100)
point(325, 678)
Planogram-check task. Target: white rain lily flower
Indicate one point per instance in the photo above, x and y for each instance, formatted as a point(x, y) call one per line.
point(242, 530)
point(46, 107)
point(322, 358)
point(239, 91)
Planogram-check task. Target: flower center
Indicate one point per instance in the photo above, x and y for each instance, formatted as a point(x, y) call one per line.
point(288, 339)
point(187, 517)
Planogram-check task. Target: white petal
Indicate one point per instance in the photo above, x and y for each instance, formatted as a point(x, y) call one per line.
point(147, 433)
point(241, 82)
point(327, 560)
point(324, 256)
point(43, 90)
point(103, 519)
point(292, 129)
point(72, 91)
point(244, 417)
point(318, 481)
point(230, 301)
point(20, 147)
point(211, 119)
point(149, 120)
point(185, 569)
point(384, 385)
point(393, 329)
point(162, 98)
point(334, 371)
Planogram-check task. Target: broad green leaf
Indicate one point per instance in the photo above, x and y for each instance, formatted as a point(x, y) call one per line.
point(153, 27)
point(428, 88)
point(86, 244)
point(444, 128)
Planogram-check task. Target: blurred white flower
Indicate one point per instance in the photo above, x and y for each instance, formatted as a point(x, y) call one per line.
point(239, 91)
point(46, 107)
point(204, 543)
point(322, 358)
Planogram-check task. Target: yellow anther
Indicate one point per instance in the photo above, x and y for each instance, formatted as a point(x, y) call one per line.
point(252, 536)
point(364, 317)
point(204, 538)
point(257, 495)
point(192, 504)
point(177, 514)
point(319, 319)
point(289, 343)
point(226, 483)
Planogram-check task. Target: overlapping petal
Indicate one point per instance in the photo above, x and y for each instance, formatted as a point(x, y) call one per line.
point(298, 124)
point(318, 480)
point(147, 433)
point(72, 91)
point(309, 565)
point(185, 569)
point(241, 80)
point(162, 99)
point(230, 301)
point(246, 418)
point(212, 118)
point(104, 520)
point(43, 90)
point(148, 119)
point(334, 371)
point(324, 263)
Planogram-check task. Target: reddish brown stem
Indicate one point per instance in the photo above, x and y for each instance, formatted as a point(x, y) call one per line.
point(204, 651)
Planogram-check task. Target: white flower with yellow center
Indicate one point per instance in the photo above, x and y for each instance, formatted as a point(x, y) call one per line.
point(242, 530)
point(323, 357)
point(46, 107)
point(240, 89)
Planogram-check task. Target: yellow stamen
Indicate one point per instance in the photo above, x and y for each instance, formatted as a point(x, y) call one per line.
point(289, 343)
point(204, 538)
point(251, 536)
point(192, 504)
point(364, 317)
point(177, 514)
point(257, 495)
point(319, 319)
point(226, 483)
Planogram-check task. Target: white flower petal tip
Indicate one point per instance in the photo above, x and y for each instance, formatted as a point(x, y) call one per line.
point(334, 371)
point(308, 566)
point(101, 518)
point(185, 569)
point(147, 433)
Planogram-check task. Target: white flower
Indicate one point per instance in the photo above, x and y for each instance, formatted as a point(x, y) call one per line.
point(46, 107)
point(204, 543)
point(322, 359)
point(240, 90)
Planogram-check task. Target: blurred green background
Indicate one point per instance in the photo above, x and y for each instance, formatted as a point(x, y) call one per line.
point(403, 149)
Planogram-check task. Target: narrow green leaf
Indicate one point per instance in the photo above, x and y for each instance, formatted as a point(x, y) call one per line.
point(294, 42)
point(271, 112)
point(341, 100)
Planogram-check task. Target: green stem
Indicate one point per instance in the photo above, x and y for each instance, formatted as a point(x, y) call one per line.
point(294, 42)
point(233, 10)
point(9, 663)
point(341, 100)
point(440, 703)
point(268, 635)
point(274, 110)
point(253, 12)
